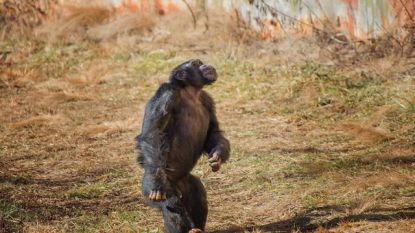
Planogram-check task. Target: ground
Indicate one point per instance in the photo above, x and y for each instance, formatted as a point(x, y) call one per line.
point(316, 145)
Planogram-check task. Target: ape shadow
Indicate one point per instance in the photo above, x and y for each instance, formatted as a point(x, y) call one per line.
point(304, 222)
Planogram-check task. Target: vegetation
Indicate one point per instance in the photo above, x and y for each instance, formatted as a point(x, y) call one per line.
point(318, 144)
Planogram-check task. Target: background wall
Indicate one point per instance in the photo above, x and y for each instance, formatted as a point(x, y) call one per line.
point(354, 18)
point(350, 19)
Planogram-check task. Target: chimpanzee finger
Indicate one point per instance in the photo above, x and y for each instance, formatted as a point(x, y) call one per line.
point(215, 157)
point(158, 196)
point(152, 195)
point(195, 230)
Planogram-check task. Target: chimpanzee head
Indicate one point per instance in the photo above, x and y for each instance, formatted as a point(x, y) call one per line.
point(193, 73)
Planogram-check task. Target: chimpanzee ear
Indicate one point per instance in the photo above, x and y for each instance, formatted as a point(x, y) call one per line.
point(180, 75)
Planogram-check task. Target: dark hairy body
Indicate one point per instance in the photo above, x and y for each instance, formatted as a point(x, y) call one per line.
point(179, 126)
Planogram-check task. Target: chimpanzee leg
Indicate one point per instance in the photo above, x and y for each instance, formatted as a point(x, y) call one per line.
point(194, 200)
point(175, 215)
point(188, 211)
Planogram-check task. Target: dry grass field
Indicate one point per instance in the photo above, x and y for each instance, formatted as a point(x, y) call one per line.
point(322, 139)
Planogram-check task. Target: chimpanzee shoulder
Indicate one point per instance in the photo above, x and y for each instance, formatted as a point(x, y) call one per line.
point(159, 106)
point(162, 99)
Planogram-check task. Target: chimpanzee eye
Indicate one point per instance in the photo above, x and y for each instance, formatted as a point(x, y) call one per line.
point(180, 75)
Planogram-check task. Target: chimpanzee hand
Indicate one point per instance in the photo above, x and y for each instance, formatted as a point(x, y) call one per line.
point(157, 195)
point(195, 230)
point(215, 160)
point(159, 187)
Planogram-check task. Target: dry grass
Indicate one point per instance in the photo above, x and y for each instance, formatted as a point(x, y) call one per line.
point(14, 78)
point(19, 17)
point(94, 22)
point(365, 133)
point(107, 128)
point(124, 24)
point(315, 146)
point(76, 21)
point(38, 121)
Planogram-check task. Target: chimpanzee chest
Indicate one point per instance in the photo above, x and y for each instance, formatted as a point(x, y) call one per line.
point(191, 123)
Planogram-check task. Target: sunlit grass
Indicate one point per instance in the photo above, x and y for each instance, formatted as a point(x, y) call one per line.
point(304, 136)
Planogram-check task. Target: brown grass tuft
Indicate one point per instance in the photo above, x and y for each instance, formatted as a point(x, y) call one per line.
point(96, 23)
point(108, 128)
point(379, 179)
point(63, 96)
point(364, 205)
point(396, 156)
point(367, 134)
point(16, 78)
point(75, 22)
point(40, 120)
point(40, 228)
point(321, 229)
point(121, 25)
point(94, 75)
point(19, 16)
point(59, 96)
point(95, 131)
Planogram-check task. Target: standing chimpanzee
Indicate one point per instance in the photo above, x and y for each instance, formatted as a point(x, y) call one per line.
point(179, 126)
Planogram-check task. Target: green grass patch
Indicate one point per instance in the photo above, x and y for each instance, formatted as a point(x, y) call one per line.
point(12, 216)
point(87, 191)
point(158, 62)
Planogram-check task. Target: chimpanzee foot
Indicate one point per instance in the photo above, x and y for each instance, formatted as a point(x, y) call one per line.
point(195, 230)
point(157, 195)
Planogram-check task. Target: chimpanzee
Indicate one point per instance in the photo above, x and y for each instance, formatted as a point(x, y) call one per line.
point(179, 126)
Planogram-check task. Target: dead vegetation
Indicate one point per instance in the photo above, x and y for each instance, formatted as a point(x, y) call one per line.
point(20, 16)
point(95, 22)
point(39, 121)
point(319, 143)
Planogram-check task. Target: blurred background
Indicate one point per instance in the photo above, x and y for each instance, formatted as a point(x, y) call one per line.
point(316, 96)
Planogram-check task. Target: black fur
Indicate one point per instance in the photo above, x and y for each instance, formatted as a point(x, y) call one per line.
point(180, 125)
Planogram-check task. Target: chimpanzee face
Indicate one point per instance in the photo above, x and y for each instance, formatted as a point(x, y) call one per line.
point(193, 72)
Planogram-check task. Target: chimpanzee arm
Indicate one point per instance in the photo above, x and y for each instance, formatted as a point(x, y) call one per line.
point(216, 145)
point(152, 143)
